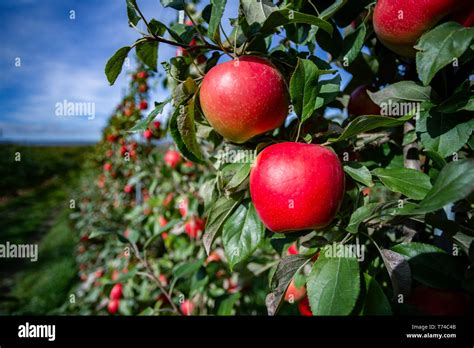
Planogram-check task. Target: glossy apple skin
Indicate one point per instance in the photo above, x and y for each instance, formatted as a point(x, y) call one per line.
point(172, 158)
point(187, 307)
point(294, 294)
point(113, 306)
point(116, 292)
point(296, 186)
point(304, 308)
point(399, 23)
point(361, 104)
point(244, 98)
point(439, 302)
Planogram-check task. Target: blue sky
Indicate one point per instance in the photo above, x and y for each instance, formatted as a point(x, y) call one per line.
point(64, 59)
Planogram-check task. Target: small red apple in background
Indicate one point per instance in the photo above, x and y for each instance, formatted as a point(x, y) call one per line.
point(123, 150)
point(143, 87)
point(301, 181)
point(304, 308)
point(439, 302)
point(128, 112)
point(107, 167)
point(172, 158)
point(112, 138)
point(169, 197)
point(194, 227)
point(399, 24)
point(244, 98)
point(142, 74)
point(186, 307)
point(143, 105)
point(99, 273)
point(292, 250)
point(213, 257)
point(115, 275)
point(183, 207)
point(113, 306)
point(157, 124)
point(126, 233)
point(128, 189)
point(116, 292)
point(163, 280)
point(294, 294)
point(162, 221)
point(109, 153)
point(361, 104)
point(148, 134)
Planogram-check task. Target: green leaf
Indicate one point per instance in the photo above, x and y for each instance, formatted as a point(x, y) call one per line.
point(333, 285)
point(331, 10)
point(257, 11)
point(439, 47)
point(398, 270)
point(285, 271)
point(431, 266)
point(367, 123)
point(463, 101)
point(217, 215)
point(353, 43)
point(114, 64)
point(176, 4)
point(187, 130)
point(142, 125)
point(156, 27)
point(360, 215)
point(402, 91)
point(444, 133)
point(454, 182)
point(242, 233)
point(241, 174)
point(304, 88)
point(409, 182)
point(218, 7)
point(376, 302)
point(286, 16)
point(133, 17)
point(226, 307)
point(359, 173)
point(147, 52)
point(327, 90)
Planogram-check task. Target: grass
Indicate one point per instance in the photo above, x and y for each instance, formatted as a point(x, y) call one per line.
point(39, 215)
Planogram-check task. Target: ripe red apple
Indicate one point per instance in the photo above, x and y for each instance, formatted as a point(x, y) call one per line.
point(115, 275)
point(109, 153)
point(361, 104)
point(294, 294)
point(163, 280)
point(244, 98)
point(213, 257)
point(157, 124)
point(99, 273)
point(400, 23)
point(148, 134)
point(143, 87)
point(194, 226)
point(128, 189)
point(296, 186)
point(183, 206)
point(440, 302)
point(172, 158)
point(112, 138)
point(292, 250)
point(116, 292)
point(186, 307)
point(113, 306)
point(143, 105)
point(128, 112)
point(169, 197)
point(142, 74)
point(107, 167)
point(304, 308)
point(162, 221)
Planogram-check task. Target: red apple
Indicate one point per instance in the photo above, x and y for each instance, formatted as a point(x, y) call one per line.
point(162, 221)
point(163, 280)
point(172, 158)
point(142, 74)
point(143, 105)
point(440, 302)
point(296, 186)
point(143, 87)
point(304, 308)
point(169, 197)
point(213, 257)
point(186, 307)
point(113, 306)
point(112, 138)
point(361, 104)
point(107, 167)
point(244, 98)
point(128, 189)
point(399, 24)
point(294, 294)
point(116, 292)
point(157, 124)
point(128, 112)
point(148, 134)
point(183, 207)
point(194, 226)
point(292, 250)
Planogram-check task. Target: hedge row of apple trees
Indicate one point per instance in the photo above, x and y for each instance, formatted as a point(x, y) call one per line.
point(292, 188)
